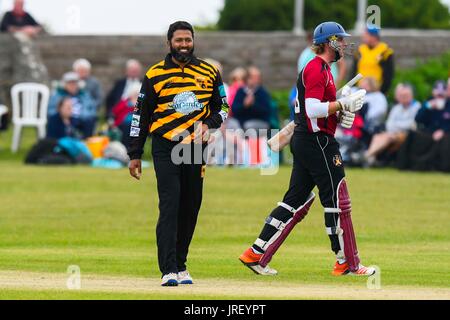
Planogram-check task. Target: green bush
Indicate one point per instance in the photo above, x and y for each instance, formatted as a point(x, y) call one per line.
point(423, 76)
point(281, 98)
point(270, 15)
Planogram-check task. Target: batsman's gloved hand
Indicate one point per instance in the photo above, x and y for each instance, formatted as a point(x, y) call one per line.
point(345, 91)
point(353, 102)
point(347, 119)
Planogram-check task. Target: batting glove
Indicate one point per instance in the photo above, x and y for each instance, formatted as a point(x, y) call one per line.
point(353, 102)
point(347, 119)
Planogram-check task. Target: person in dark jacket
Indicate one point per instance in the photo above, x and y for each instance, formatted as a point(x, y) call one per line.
point(428, 148)
point(252, 104)
point(434, 116)
point(18, 20)
point(121, 87)
point(60, 125)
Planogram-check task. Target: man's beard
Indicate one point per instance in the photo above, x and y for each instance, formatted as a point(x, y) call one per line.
point(182, 57)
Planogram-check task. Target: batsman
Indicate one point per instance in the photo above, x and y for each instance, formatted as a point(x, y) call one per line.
point(317, 162)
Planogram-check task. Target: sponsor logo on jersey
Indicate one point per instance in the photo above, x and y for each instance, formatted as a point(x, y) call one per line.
point(186, 102)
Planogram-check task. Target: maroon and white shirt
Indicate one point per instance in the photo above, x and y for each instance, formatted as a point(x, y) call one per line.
point(315, 87)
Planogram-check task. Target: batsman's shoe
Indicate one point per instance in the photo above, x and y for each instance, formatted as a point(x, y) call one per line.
point(341, 269)
point(251, 260)
point(363, 271)
point(169, 280)
point(184, 278)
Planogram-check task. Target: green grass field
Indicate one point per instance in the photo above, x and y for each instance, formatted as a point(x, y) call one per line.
point(104, 222)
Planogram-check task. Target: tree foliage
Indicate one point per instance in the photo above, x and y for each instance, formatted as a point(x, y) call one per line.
point(272, 15)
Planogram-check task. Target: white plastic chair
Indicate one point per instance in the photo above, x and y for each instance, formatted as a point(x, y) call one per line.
point(29, 106)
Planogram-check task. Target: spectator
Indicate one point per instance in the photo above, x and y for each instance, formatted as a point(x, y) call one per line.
point(28, 63)
point(434, 116)
point(83, 108)
point(123, 112)
point(375, 59)
point(83, 68)
point(252, 106)
point(400, 120)
point(429, 147)
point(338, 69)
point(368, 121)
point(18, 20)
point(60, 125)
point(237, 81)
point(375, 107)
point(133, 76)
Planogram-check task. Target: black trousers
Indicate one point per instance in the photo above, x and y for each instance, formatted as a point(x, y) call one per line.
point(180, 189)
point(317, 162)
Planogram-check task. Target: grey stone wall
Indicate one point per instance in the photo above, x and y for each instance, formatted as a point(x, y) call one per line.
point(275, 53)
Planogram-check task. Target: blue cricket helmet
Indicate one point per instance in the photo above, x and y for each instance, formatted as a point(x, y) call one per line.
point(327, 29)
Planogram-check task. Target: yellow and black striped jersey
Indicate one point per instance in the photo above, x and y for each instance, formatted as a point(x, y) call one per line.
point(173, 98)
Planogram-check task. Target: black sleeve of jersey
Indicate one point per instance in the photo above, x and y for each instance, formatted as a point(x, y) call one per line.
point(141, 120)
point(388, 73)
point(218, 105)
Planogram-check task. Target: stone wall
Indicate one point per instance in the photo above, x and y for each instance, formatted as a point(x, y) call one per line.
point(275, 53)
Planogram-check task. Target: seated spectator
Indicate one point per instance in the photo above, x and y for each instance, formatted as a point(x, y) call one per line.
point(123, 113)
point(29, 65)
point(83, 108)
point(237, 81)
point(233, 140)
point(60, 125)
point(252, 111)
point(375, 108)
point(18, 20)
point(428, 148)
point(400, 120)
point(133, 75)
point(434, 116)
point(89, 83)
point(252, 106)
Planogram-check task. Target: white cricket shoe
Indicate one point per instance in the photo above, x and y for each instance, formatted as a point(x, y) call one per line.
point(264, 271)
point(184, 277)
point(363, 271)
point(169, 280)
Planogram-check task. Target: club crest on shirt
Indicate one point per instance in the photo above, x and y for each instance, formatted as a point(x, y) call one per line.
point(337, 160)
point(201, 82)
point(186, 102)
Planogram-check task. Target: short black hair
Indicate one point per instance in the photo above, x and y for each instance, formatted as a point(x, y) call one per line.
point(179, 25)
